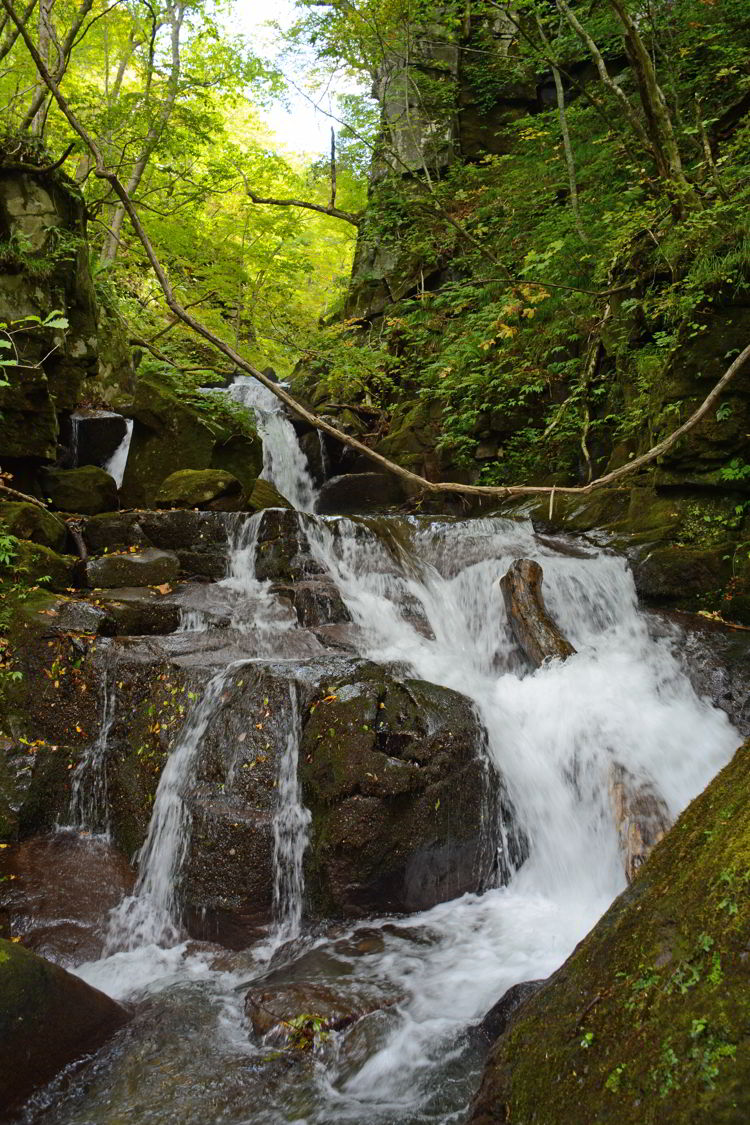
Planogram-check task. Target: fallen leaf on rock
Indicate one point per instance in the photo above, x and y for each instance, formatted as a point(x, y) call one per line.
point(165, 588)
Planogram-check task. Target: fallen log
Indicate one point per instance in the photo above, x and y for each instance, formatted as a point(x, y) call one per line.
point(532, 626)
point(640, 815)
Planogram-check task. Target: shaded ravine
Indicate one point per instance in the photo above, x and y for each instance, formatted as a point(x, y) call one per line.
point(421, 595)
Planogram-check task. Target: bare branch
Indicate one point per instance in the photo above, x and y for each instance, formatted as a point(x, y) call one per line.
point(334, 212)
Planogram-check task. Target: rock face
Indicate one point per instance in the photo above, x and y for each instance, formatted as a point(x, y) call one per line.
point(200, 488)
point(647, 1020)
point(404, 807)
point(48, 1018)
point(502, 1014)
point(94, 435)
point(87, 490)
point(265, 495)
point(532, 626)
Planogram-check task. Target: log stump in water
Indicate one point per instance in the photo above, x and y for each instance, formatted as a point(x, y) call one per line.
point(532, 626)
point(640, 815)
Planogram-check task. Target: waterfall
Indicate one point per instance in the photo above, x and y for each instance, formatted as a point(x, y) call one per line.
point(115, 466)
point(88, 809)
point(257, 610)
point(290, 833)
point(151, 915)
point(284, 463)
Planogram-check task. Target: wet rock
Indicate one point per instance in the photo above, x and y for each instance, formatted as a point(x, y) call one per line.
point(640, 815)
point(145, 568)
point(48, 1018)
point(311, 446)
point(87, 490)
point(140, 611)
point(57, 893)
point(283, 552)
point(115, 531)
point(405, 808)
point(316, 602)
point(265, 495)
point(532, 626)
point(29, 521)
point(186, 530)
point(359, 492)
point(287, 1012)
point(502, 1014)
point(67, 615)
point(200, 488)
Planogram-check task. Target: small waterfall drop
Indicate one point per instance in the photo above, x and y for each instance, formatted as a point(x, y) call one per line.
point(291, 823)
point(284, 463)
point(151, 915)
point(116, 464)
point(88, 809)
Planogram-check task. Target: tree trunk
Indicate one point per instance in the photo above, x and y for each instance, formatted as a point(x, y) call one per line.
point(532, 626)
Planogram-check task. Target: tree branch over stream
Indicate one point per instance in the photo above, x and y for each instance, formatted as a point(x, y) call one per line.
point(418, 483)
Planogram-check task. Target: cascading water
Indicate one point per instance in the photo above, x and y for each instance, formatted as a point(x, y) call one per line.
point(88, 810)
point(284, 463)
point(151, 915)
point(115, 466)
point(290, 834)
point(423, 596)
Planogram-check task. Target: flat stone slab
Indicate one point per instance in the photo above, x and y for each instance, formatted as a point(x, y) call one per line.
point(142, 568)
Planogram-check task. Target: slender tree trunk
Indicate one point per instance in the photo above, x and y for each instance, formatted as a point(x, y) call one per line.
point(567, 148)
point(46, 40)
point(155, 132)
point(63, 49)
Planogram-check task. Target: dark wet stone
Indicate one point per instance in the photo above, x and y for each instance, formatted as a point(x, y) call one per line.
point(58, 891)
point(502, 1014)
point(145, 568)
point(283, 553)
point(48, 1018)
point(140, 611)
point(266, 495)
point(71, 616)
point(183, 529)
point(359, 492)
point(114, 531)
point(316, 602)
point(675, 573)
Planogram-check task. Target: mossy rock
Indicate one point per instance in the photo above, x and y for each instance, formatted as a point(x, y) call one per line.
point(28, 420)
point(200, 488)
point(647, 1022)
point(48, 1018)
point(171, 433)
point(29, 521)
point(33, 563)
point(87, 490)
point(266, 495)
point(676, 573)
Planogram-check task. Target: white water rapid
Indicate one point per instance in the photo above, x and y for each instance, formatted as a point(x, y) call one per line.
point(284, 463)
point(421, 595)
point(115, 466)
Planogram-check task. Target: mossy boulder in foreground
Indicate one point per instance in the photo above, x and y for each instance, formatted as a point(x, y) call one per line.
point(48, 1018)
point(648, 1022)
point(200, 488)
point(87, 490)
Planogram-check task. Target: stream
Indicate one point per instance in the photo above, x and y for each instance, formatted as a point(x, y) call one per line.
point(422, 596)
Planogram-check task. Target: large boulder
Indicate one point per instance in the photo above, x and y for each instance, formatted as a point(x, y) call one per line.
point(200, 488)
point(406, 808)
point(94, 435)
point(359, 492)
point(143, 568)
point(48, 1018)
point(173, 431)
point(647, 1020)
point(266, 495)
point(87, 490)
point(33, 563)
